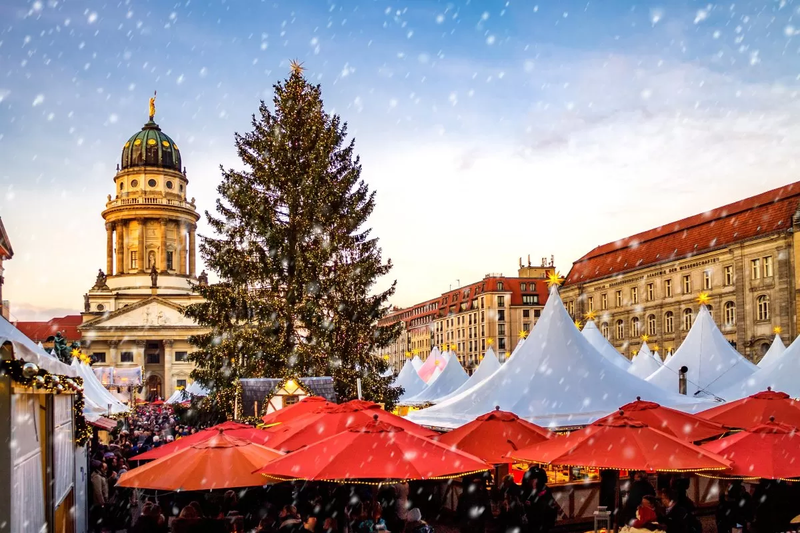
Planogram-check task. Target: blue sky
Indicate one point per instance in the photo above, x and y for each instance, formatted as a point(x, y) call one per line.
point(490, 129)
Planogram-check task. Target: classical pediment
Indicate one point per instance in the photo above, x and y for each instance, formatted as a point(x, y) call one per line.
point(153, 312)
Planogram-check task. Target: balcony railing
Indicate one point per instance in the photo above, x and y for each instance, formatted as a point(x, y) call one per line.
point(149, 200)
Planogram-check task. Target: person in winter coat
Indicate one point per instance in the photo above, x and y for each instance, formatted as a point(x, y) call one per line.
point(677, 517)
point(541, 508)
point(474, 507)
point(639, 488)
point(735, 509)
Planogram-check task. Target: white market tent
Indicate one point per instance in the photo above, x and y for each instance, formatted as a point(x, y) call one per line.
point(714, 365)
point(516, 349)
point(436, 373)
point(489, 365)
point(773, 354)
point(657, 357)
point(410, 381)
point(780, 375)
point(601, 344)
point(668, 357)
point(435, 360)
point(194, 389)
point(557, 379)
point(416, 362)
point(645, 350)
point(179, 396)
point(98, 395)
point(450, 379)
point(643, 365)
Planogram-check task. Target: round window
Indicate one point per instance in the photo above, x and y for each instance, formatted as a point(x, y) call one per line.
point(169, 185)
point(134, 183)
point(101, 307)
point(151, 183)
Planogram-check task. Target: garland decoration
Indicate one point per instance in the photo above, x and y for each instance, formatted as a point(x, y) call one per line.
point(30, 375)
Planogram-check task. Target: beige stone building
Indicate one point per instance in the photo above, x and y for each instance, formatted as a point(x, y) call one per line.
point(132, 315)
point(742, 255)
point(497, 311)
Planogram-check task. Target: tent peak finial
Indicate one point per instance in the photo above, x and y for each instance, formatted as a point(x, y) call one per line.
point(638, 398)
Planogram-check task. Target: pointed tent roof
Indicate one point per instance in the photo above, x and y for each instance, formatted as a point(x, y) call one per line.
point(556, 379)
point(645, 349)
point(410, 381)
point(643, 365)
point(179, 396)
point(780, 375)
point(451, 378)
point(434, 376)
point(668, 357)
point(657, 357)
point(196, 389)
point(602, 345)
point(774, 352)
point(713, 363)
point(489, 365)
point(435, 359)
point(417, 362)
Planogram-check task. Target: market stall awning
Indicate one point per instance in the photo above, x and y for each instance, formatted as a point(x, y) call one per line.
point(622, 443)
point(233, 429)
point(26, 350)
point(766, 451)
point(221, 462)
point(685, 426)
point(494, 435)
point(103, 423)
point(374, 451)
point(756, 409)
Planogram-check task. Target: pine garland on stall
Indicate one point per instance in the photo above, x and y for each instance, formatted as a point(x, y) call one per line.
point(29, 375)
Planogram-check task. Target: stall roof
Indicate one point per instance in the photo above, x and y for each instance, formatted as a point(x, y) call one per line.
point(24, 349)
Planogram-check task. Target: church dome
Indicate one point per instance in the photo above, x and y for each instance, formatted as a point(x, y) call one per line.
point(151, 147)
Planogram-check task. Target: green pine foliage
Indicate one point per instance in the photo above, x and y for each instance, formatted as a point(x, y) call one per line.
point(296, 266)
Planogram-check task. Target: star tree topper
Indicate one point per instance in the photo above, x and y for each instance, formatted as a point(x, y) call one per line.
point(297, 67)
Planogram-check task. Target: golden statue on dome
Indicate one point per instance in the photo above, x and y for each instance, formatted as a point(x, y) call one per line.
point(153, 106)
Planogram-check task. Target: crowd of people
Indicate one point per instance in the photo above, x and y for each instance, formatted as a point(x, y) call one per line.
point(483, 506)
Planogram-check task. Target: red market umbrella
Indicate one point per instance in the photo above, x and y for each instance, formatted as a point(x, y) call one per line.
point(766, 451)
point(157, 402)
point(494, 435)
point(233, 429)
point(622, 443)
point(685, 426)
point(314, 427)
point(307, 405)
point(375, 451)
point(756, 409)
point(220, 462)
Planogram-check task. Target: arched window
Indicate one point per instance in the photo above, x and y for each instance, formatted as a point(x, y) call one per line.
point(730, 313)
point(634, 327)
point(669, 322)
point(620, 330)
point(604, 329)
point(651, 325)
point(687, 319)
point(762, 305)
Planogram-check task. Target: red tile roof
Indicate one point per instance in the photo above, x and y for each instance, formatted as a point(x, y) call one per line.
point(39, 331)
point(764, 214)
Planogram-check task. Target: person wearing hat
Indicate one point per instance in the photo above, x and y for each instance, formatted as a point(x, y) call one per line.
point(541, 508)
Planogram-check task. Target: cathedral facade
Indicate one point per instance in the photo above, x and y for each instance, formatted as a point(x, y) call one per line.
point(133, 314)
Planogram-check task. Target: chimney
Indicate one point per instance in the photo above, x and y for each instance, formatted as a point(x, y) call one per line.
point(520, 262)
point(529, 259)
point(682, 380)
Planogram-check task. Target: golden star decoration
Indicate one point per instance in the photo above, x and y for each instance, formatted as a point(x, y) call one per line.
point(591, 315)
point(385, 357)
point(489, 341)
point(578, 324)
point(554, 278)
point(645, 338)
point(76, 353)
point(777, 330)
point(415, 351)
point(408, 354)
point(655, 347)
point(523, 334)
point(297, 67)
point(704, 298)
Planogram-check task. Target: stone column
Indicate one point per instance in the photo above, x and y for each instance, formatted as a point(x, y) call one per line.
point(141, 252)
point(181, 248)
point(110, 249)
point(114, 352)
point(138, 355)
point(120, 248)
point(192, 229)
point(169, 356)
point(163, 245)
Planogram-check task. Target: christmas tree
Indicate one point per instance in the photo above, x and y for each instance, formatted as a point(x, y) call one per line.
point(296, 267)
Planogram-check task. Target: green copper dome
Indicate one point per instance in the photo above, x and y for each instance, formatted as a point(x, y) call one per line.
point(151, 148)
